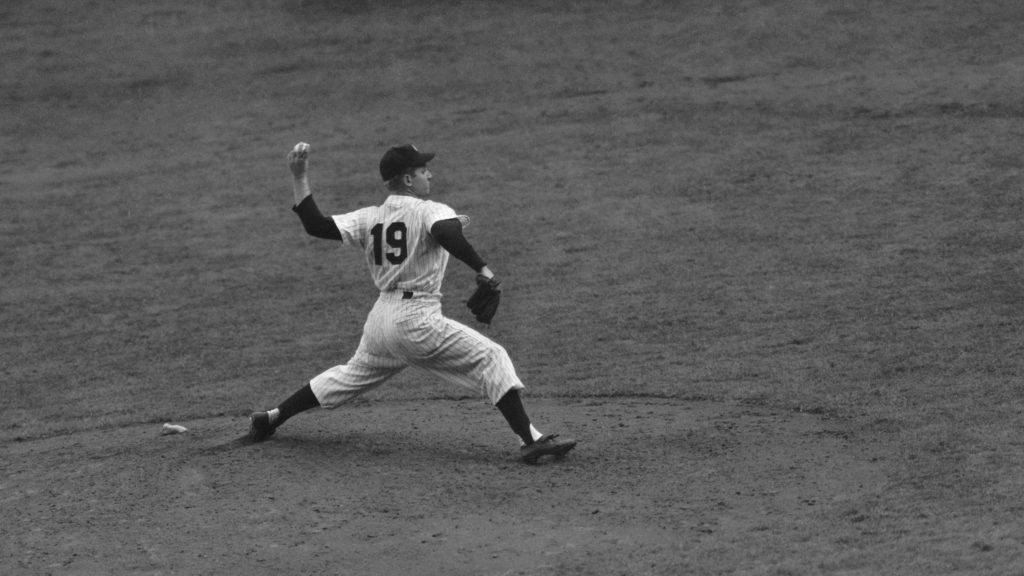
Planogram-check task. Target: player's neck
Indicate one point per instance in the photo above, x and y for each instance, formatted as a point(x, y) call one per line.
point(412, 194)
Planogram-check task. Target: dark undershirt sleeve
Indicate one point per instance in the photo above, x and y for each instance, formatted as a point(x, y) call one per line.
point(315, 223)
point(448, 234)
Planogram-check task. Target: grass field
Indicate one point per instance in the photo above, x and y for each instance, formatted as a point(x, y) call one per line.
point(764, 258)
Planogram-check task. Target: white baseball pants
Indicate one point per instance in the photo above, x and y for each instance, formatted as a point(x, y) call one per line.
point(403, 331)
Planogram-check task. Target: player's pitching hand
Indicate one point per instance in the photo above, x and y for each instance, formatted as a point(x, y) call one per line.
point(297, 160)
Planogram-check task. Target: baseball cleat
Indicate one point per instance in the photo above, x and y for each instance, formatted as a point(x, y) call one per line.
point(547, 444)
point(260, 427)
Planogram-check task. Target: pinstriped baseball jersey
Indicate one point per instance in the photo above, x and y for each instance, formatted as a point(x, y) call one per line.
point(409, 329)
point(395, 238)
point(406, 327)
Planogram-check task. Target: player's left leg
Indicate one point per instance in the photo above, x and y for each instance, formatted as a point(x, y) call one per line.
point(368, 368)
point(263, 424)
point(329, 389)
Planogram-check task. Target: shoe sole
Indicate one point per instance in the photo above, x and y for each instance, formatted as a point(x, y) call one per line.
point(558, 454)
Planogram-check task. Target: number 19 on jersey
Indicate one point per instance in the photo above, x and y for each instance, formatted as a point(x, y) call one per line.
point(395, 238)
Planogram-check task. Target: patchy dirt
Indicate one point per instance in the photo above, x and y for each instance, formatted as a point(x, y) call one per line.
point(431, 488)
point(762, 259)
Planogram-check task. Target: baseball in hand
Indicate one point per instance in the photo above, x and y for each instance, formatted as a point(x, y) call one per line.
point(302, 150)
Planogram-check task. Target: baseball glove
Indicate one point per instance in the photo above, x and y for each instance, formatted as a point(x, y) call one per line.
point(483, 303)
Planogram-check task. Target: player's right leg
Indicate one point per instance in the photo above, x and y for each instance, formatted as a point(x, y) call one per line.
point(461, 355)
point(535, 444)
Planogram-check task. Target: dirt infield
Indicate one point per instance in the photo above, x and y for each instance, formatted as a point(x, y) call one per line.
point(656, 486)
point(762, 258)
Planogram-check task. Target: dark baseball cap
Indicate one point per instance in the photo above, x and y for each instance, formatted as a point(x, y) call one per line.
point(401, 158)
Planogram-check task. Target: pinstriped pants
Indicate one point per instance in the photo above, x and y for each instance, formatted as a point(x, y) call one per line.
point(412, 332)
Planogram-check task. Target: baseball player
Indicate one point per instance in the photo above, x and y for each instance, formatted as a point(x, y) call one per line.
point(406, 242)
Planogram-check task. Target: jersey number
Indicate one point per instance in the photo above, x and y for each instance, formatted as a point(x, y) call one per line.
point(395, 236)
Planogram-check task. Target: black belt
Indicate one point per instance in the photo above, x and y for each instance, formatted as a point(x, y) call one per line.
point(406, 295)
